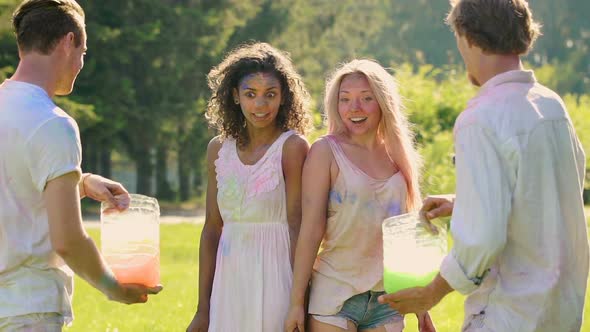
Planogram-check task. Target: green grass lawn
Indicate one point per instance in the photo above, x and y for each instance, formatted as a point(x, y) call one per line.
point(173, 309)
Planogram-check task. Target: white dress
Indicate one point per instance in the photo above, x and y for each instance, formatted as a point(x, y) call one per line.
point(253, 276)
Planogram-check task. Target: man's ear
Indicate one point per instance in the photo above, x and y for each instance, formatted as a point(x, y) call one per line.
point(469, 42)
point(69, 42)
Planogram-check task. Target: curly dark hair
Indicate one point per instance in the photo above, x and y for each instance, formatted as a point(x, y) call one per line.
point(226, 116)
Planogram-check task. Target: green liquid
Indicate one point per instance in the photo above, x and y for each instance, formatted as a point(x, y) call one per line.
point(395, 281)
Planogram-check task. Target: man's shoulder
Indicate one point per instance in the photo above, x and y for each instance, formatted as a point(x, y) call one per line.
point(23, 93)
point(545, 91)
point(21, 102)
point(28, 112)
point(511, 118)
point(476, 113)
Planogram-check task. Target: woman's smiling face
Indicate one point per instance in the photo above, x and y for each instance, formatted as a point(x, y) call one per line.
point(357, 105)
point(259, 95)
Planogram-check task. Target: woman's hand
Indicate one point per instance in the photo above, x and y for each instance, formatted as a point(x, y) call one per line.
point(295, 321)
point(200, 323)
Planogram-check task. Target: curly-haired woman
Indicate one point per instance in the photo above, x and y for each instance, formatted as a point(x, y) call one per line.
point(253, 212)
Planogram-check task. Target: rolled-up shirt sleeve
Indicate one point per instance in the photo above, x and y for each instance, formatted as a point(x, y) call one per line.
point(481, 209)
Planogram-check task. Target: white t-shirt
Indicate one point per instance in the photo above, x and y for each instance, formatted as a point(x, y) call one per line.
point(38, 143)
point(520, 240)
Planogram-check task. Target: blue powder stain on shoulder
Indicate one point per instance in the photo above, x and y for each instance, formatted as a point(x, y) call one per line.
point(335, 196)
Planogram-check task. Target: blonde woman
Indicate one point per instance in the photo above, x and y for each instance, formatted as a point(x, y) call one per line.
point(365, 170)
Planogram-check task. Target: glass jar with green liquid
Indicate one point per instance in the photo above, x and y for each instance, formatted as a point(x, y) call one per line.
point(413, 250)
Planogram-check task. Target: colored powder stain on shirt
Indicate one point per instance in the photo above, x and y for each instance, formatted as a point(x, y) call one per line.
point(373, 205)
point(225, 248)
point(335, 196)
point(260, 182)
point(232, 187)
point(393, 209)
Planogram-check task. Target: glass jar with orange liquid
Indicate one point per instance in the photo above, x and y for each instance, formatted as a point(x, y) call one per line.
point(130, 240)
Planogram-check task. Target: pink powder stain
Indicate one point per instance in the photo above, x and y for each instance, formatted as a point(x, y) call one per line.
point(259, 183)
point(263, 183)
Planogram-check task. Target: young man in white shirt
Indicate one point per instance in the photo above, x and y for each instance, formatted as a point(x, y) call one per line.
point(42, 238)
point(520, 249)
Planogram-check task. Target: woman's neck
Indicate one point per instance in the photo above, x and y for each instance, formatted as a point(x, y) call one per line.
point(262, 136)
point(369, 141)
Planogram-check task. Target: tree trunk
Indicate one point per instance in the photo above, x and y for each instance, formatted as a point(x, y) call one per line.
point(197, 180)
point(163, 189)
point(89, 158)
point(183, 172)
point(105, 163)
point(143, 162)
point(199, 173)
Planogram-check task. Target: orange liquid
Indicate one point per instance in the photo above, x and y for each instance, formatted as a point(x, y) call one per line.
point(136, 269)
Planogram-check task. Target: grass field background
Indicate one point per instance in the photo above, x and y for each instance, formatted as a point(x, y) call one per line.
point(173, 308)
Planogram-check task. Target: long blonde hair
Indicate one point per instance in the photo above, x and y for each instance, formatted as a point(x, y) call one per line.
point(394, 127)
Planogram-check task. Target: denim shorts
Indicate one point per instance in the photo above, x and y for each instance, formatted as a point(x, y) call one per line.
point(366, 313)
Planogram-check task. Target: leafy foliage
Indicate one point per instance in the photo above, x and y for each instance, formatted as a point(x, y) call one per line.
point(143, 91)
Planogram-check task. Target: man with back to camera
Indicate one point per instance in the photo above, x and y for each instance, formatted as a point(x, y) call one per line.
point(520, 240)
point(40, 178)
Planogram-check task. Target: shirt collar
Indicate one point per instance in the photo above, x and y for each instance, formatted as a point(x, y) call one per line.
point(513, 76)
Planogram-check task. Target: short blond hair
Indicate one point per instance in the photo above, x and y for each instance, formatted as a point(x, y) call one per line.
point(495, 26)
point(40, 24)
